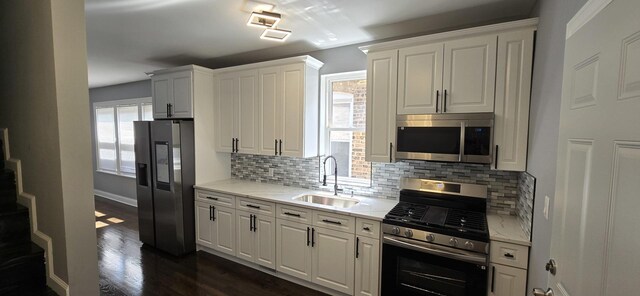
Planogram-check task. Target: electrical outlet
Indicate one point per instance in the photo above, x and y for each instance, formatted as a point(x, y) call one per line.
point(270, 172)
point(545, 211)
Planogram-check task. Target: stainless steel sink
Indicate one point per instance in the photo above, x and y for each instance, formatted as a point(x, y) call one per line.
point(333, 201)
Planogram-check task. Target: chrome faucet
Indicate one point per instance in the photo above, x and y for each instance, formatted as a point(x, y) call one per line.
point(335, 173)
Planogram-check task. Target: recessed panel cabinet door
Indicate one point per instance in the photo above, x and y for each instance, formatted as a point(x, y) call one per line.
point(204, 225)
point(245, 246)
point(265, 241)
point(248, 113)
point(293, 250)
point(292, 110)
point(367, 266)
point(224, 230)
point(420, 79)
point(182, 91)
point(161, 95)
point(225, 111)
point(382, 82)
point(507, 281)
point(469, 74)
point(333, 257)
point(270, 122)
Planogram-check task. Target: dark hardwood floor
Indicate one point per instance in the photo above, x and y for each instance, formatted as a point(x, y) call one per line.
point(129, 268)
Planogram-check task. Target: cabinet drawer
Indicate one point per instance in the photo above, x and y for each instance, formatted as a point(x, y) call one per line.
point(215, 198)
point(509, 254)
point(256, 206)
point(292, 213)
point(368, 228)
point(334, 221)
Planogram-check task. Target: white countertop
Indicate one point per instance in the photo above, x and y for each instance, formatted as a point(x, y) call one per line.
point(369, 208)
point(507, 229)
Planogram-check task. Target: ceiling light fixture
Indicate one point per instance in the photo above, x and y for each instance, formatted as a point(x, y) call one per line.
point(275, 34)
point(264, 19)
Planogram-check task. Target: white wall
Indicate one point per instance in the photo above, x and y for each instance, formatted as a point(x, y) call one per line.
point(43, 103)
point(544, 122)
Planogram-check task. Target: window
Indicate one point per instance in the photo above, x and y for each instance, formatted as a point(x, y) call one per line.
point(344, 104)
point(114, 133)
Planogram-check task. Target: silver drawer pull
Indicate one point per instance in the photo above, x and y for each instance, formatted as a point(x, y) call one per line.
point(332, 222)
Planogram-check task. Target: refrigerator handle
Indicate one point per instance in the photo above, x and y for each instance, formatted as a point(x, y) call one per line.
point(141, 172)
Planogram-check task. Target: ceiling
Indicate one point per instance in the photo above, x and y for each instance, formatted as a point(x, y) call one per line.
point(129, 37)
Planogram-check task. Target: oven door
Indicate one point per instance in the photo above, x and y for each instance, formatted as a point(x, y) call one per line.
point(415, 268)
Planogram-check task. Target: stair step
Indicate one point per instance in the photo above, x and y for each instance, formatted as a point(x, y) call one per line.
point(7, 187)
point(14, 225)
point(22, 270)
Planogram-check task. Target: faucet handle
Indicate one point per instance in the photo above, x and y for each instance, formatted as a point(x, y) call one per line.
point(324, 180)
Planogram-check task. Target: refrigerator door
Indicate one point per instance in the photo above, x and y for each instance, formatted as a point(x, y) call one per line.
point(144, 177)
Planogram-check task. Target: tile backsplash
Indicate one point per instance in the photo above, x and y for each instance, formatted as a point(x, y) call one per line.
point(503, 186)
point(526, 192)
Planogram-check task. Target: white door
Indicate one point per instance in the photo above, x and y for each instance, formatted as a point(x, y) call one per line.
point(291, 110)
point(224, 230)
point(333, 257)
point(182, 95)
point(293, 249)
point(420, 79)
point(245, 239)
point(367, 266)
point(513, 88)
point(469, 74)
point(507, 281)
point(270, 122)
point(225, 112)
point(596, 237)
point(382, 82)
point(248, 112)
point(265, 241)
point(161, 92)
point(204, 225)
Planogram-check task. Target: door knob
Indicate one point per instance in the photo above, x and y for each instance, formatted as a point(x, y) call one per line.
point(540, 292)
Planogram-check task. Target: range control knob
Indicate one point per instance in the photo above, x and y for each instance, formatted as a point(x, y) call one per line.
point(395, 230)
point(453, 242)
point(431, 238)
point(468, 245)
point(408, 233)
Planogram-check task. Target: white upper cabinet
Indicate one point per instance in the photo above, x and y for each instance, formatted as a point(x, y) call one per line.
point(420, 79)
point(382, 82)
point(469, 74)
point(276, 109)
point(174, 91)
point(513, 85)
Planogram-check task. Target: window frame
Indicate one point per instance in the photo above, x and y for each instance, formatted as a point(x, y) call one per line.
point(114, 104)
point(326, 108)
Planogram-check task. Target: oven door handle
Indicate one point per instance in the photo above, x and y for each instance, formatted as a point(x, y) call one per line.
point(435, 250)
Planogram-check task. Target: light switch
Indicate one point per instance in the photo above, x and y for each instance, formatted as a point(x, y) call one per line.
point(545, 211)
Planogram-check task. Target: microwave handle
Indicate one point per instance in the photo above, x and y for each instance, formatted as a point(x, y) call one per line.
point(462, 139)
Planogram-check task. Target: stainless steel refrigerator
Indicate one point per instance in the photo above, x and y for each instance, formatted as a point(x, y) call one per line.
point(165, 175)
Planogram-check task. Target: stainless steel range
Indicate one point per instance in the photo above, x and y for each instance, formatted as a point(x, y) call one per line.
point(436, 241)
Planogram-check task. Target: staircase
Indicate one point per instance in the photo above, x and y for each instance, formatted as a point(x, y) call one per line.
point(22, 270)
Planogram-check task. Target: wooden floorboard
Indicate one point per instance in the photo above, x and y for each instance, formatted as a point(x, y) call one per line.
point(129, 268)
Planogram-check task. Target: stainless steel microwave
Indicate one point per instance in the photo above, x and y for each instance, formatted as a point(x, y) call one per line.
point(463, 137)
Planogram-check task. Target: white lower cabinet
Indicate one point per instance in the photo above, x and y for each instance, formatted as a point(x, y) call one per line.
point(507, 281)
point(367, 266)
point(216, 227)
point(293, 249)
point(256, 239)
point(204, 224)
point(332, 259)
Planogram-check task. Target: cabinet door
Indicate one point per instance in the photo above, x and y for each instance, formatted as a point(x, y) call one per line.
point(270, 122)
point(367, 266)
point(245, 239)
point(513, 85)
point(420, 79)
point(182, 95)
point(248, 112)
point(265, 241)
point(204, 225)
point(225, 111)
point(224, 230)
point(469, 74)
point(507, 281)
point(291, 110)
point(161, 93)
point(293, 252)
point(382, 82)
point(333, 257)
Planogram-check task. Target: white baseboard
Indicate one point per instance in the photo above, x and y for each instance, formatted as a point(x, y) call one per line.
point(38, 237)
point(115, 197)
